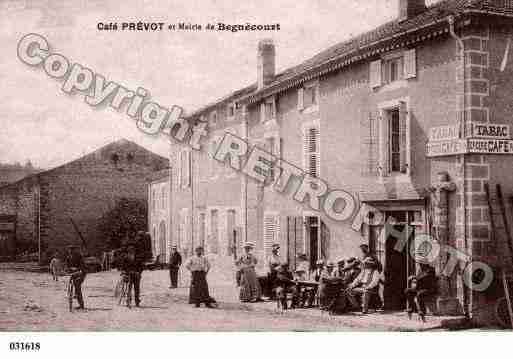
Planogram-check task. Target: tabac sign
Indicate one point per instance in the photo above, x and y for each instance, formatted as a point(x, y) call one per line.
point(484, 138)
point(489, 130)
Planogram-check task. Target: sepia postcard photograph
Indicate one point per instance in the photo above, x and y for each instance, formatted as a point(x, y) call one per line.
point(255, 166)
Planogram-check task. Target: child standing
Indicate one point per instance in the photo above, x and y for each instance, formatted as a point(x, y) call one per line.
point(55, 267)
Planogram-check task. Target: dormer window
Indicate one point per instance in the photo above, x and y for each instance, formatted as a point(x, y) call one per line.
point(268, 110)
point(392, 69)
point(308, 97)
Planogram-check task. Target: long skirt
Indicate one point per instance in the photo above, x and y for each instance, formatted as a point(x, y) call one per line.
point(199, 288)
point(249, 286)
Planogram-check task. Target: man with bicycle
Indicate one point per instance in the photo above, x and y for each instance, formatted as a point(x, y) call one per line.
point(76, 266)
point(132, 267)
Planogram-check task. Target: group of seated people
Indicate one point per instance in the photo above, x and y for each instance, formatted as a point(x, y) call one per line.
point(353, 279)
point(352, 284)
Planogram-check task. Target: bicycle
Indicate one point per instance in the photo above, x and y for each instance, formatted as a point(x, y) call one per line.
point(70, 293)
point(123, 290)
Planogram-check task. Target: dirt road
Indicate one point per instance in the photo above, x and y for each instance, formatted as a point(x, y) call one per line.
point(33, 302)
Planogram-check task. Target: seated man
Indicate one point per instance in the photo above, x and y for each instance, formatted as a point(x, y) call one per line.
point(328, 286)
point(285, 284)
point(365, 285)
point(351, 270)
point(421, 286)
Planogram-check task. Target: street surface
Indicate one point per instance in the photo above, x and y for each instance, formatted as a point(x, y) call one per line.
point(33, 302)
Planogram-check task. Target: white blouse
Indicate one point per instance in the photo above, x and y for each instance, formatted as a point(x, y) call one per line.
point(196, 263)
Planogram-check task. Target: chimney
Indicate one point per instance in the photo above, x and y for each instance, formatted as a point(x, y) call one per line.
point(410, 8)
point(265, 62)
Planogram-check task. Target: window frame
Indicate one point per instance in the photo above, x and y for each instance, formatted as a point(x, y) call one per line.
point(383, 128)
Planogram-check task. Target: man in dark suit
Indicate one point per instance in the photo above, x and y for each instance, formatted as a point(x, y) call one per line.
point(175, 261)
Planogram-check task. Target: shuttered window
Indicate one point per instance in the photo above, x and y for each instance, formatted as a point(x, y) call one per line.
point(271, 232)
point(375, 74)
point(214, 165)
point(410, 64)
point(395, 141)
point(300, 105)
point(404, 145)
point(311, 151)
point(185, 169)
point(369, 144)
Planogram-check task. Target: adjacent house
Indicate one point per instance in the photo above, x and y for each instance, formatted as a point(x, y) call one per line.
point(38, 209)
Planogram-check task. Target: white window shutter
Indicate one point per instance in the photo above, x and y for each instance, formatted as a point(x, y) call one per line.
point(300, 99)
point(188, 165)
point(410, 64)
point(375, 74)
point(180, 169)
point(384, 146)
point(403, 136)
point(311, 160)
point(271, 232)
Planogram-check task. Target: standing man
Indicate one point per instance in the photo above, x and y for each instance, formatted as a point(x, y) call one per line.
point(175, 261)
point(76, 265)
point(132, 266)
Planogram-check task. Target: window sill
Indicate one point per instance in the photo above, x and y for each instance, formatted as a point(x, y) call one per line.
point(311, 109)
point(393, 85)
point(395, 177)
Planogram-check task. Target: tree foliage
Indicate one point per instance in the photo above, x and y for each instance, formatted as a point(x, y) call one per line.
point(123, 221)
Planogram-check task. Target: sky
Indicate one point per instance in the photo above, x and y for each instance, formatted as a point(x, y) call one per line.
point(187, 69)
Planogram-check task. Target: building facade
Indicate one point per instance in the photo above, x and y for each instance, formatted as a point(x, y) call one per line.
point(363, 117)
point(159, 206)
point(43, 205)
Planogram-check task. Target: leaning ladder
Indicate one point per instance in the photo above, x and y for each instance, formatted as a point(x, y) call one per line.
point(506, 279)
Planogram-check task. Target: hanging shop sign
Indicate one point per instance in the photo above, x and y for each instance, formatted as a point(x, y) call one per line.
point(444, 133)
point(489, 130)
point(491, 146)
point(446, 148)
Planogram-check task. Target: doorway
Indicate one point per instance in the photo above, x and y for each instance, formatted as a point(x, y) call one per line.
point(395, 256)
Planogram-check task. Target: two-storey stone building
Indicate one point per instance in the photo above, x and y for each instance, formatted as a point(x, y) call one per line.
point(359, 116)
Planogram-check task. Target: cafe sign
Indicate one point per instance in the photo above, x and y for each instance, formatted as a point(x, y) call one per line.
point(489, 130)
point(490, 146)
point(446, 148)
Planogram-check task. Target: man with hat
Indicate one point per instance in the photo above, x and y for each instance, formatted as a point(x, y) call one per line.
point(175, 261)
point(340, 272)
point(326, 287)
point(132, 266)
point(273, 263)
point(351, 270)
point(365, 285)
point(76, 265)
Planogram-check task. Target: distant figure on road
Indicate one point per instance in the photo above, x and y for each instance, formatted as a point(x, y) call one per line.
point(199, 266)
point(55, 266)
point(175, 261)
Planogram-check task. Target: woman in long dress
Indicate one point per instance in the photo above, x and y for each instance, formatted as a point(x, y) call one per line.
point(199, 266)
point(250, 290)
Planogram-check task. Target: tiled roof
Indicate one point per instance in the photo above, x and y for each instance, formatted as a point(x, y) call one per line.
point(435, 13)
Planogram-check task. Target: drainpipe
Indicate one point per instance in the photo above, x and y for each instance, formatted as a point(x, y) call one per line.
point(461, 47)
point(245, 178)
